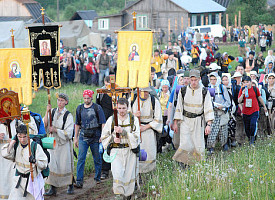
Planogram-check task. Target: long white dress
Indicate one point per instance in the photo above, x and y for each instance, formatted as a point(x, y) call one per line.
point(125, 165)
point(148, 137)
point(61, 163)
point(7, 170)
point(23, 166)
point(192, 145)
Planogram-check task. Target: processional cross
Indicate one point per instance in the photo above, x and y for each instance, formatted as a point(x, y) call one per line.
point(114, 91)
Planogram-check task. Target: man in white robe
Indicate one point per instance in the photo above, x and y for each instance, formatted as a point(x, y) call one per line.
point(61, 157)
point(7, 170)
point(194, 112)
point(151, 124)
point(125, 165)
point(22, 179)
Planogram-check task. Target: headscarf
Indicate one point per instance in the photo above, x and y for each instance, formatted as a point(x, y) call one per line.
point(90, 93)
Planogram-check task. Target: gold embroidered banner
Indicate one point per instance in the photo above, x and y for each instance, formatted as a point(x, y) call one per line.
point(16, 72)
point(134, 58)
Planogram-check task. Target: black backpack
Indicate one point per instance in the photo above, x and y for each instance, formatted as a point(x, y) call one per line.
point(37, 139)
point(65, 116)
point(183, 92)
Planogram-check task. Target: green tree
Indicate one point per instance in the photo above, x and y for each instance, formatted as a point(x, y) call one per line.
point(252, 12)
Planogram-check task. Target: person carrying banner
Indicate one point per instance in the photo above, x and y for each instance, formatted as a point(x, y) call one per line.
point(7, 170)
point(61, 158)
point(125, 149)
point(194, 108)
point(151, 124)
point(17, 150)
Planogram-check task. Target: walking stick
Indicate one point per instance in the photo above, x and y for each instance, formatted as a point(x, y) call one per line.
point(26, 118)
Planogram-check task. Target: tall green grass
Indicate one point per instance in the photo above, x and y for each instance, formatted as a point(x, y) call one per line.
point(243, 173)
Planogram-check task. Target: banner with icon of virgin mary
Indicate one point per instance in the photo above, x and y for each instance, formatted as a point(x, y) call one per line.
point(16, 72)
point(45, 56)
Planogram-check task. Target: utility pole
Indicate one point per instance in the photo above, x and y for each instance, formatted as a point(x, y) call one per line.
point(57, 8)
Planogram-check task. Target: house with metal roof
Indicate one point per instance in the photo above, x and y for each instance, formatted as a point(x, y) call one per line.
point(87, 15)
point(167, 15)
point(21, 10)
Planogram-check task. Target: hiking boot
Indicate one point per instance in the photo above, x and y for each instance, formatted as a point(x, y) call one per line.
point(104, 176)
point(127, 198)
point(78, 185)
point(70, 189)
point(226, 147)
point(51, 191)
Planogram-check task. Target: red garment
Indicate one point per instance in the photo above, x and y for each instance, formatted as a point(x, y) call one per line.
point(209, 60)
point(90, 93)
point(255, 105)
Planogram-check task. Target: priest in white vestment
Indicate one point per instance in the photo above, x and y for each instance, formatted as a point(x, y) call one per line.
point(22, 180)
point(151, 124)
point(61, 157)
point(125, 165)
point(196, 115)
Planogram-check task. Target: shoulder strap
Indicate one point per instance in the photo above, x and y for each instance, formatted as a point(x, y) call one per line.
point(96, 111)
point(79, 113)
point(53, 112)
point(255, 90)
point(134, 99)
point(153, 101)
point(221, 89)
point(33, 148)
point(183, 92)
point(65, 119)
point(204, 93)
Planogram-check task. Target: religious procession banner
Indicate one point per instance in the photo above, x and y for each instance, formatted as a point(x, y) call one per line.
point(45, 42)
point(16, 72)
point(134, 58)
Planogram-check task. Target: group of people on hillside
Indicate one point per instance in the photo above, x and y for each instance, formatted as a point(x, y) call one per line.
point(188, 110)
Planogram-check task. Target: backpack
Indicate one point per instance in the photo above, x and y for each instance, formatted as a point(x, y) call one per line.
point(64, 117)
point(96, 107)
point(39, 123)
point(132, 121)
point(37, 139)
point(204, 92)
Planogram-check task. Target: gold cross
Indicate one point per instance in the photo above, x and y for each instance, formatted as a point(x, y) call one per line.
point(42, 9)
point(55, 75)
point(47, 74)
point(12, 32)
point(134, 14)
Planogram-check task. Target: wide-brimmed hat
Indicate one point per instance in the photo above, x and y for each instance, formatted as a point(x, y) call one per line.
point(237, 74)
point(214, 67)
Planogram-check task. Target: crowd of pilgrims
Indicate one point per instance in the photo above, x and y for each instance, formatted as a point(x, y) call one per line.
point(182, 109)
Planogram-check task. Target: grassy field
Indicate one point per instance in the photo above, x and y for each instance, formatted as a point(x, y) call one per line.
point(242, 173)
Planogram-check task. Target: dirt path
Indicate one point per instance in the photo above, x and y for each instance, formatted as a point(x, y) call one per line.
point(90, 191)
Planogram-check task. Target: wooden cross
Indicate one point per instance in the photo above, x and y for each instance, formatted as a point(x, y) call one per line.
point(114, 91)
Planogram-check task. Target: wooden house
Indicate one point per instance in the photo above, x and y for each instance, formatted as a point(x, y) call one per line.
point(21, 10)
point(167, 15)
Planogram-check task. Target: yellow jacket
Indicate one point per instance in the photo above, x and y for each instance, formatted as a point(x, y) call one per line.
point(156, 62)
